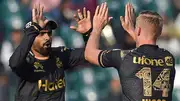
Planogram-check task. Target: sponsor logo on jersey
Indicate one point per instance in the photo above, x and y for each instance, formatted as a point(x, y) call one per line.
point(38, 67)
point(167, 61)
point(46, 85)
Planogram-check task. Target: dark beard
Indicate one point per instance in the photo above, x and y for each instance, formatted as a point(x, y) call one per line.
point(45, 51)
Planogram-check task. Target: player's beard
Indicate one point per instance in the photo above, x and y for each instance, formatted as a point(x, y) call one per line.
point(44, 51)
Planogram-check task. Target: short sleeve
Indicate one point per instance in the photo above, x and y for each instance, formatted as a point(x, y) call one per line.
point(111, 58)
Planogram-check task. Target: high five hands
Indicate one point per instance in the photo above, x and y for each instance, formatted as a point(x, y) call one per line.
point(128, 22)
point(101, 17)
point(37, 15)
point(83, 21)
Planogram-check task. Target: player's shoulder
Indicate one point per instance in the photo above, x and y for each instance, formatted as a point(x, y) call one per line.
point(61, 49)
point(166, 52)
point(120, 52)
point(130, 51)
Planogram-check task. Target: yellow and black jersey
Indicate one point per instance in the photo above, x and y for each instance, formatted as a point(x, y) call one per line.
point(146, 73)
point(42, 80)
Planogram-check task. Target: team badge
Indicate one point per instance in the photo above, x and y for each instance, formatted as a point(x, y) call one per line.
point(58, 62)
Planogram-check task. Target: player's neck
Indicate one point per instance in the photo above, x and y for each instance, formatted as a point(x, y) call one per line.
point(39, 55)
point(146, 41)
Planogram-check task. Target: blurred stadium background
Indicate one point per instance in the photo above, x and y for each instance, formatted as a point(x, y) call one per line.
point(89, 83)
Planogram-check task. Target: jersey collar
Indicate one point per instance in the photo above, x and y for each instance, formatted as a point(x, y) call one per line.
point(149, 46)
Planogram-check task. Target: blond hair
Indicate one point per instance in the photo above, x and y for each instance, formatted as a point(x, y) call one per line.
point(153, 21)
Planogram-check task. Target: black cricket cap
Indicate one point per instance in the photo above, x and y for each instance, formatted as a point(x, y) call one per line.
point(51, 25)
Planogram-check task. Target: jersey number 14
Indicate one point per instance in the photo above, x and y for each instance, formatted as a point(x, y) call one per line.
point(161, 83)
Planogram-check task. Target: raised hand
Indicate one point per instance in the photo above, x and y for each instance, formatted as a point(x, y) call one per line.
point(37, 15)
point(101, 17)
point(83, 21)
point(128, 23)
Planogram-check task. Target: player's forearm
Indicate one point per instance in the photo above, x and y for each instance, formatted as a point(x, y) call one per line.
point(92, 48)
point(19, 56)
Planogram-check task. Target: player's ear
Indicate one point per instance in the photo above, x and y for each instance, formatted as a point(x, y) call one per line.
point(138, 31)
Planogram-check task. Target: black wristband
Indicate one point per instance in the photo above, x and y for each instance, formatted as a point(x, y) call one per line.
point(88, 32)
point(86, 35)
